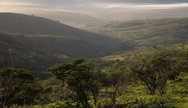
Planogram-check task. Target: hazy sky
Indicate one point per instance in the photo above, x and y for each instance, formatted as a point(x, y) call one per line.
point(101, 1)
point(96, 4)
point(88, 3)
point(104, 8)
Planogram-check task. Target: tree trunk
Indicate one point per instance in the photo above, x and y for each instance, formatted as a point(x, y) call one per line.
point(1, 105)
point(94, 98)
point(162, 89)
point(82, 96)
point(151, 88)
point(114, 96)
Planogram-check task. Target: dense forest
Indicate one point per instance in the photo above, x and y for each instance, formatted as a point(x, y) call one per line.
point(133, 64)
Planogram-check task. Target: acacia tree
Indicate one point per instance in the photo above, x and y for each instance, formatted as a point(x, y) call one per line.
point(154, 70)
point(79, 77)
point(17, 86)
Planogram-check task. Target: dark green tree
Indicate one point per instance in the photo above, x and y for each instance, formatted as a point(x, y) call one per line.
point(17, 86)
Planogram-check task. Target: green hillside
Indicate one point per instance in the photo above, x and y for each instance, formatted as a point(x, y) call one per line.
point(146, 33)
point(39, 52)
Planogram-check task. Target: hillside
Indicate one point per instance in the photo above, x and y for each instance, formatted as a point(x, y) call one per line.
point(32, 25)
point(146, 33)
point(29, 24)
point(31, 51)
point(137, 54)
point(29, 41)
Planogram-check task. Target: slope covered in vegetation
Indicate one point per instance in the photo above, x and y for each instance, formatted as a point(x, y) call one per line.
point(145, 33)
point(38, 52)
point(29, 41)
point(33, 25)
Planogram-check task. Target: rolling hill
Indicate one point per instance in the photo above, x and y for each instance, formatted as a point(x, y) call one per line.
point(145, 33)
point(37, 53)
point(35, 43)
point(32, 25)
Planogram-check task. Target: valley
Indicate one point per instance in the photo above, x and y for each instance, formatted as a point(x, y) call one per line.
point(118, 64)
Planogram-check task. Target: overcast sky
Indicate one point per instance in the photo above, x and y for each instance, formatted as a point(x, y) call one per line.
point(92, 3)
point(103, 7)
point(107, 1)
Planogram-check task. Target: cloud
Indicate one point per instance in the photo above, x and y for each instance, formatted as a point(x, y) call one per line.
point(147, 6)
point(146, 1)
point(69, 2)
point(93, 5)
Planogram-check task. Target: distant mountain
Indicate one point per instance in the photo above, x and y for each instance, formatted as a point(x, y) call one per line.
point(145, 33)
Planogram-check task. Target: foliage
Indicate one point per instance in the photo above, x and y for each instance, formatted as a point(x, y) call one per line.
point(17, 86)
point(107, 82)
point(79, 77)
point(54, 90)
